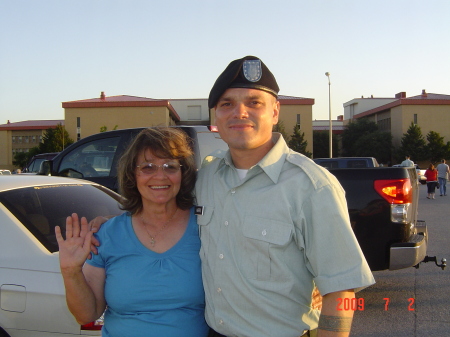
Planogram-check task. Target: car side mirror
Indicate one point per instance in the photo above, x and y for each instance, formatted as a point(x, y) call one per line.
point(46, 168)
point(71, 173)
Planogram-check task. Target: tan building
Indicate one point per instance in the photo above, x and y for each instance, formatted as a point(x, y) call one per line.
point(430, 111)
point(86, 117)
point(21, 137)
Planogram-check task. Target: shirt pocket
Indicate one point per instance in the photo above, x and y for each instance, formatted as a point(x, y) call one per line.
point(265, 243)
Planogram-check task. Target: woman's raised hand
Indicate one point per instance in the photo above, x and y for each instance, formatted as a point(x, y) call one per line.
point(76, 248)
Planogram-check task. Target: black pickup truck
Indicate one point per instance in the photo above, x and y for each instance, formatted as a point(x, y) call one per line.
point(382, 202)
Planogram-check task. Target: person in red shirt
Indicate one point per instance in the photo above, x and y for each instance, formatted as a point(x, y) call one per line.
point(431, 174)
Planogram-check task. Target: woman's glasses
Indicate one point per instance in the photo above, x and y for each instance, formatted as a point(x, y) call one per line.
point(151, 168)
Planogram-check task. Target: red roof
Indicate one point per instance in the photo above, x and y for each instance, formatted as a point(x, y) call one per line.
point(32, 125)
point(121, 101)
point(423, 99)
point(291, 100)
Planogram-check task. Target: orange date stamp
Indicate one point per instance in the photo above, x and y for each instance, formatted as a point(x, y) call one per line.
point(358, 304)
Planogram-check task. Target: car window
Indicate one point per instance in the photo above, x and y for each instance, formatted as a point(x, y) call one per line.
point(356, 164)
point(35, 165)
point(329, 164)
point(93, 159)
point(41, 208)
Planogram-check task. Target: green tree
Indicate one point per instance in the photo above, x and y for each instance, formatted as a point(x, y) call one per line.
point(376, 144)
point(104, 128)
point(279, 127)
point(436, 149)
point(353, 132)
point(412, 144)
point(321, 144)
point(20, 159)
point(55, 140)
point(298, 143)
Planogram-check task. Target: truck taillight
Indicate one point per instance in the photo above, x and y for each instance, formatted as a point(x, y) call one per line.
point(96, 325)
point(398, 191)
point(213, 128)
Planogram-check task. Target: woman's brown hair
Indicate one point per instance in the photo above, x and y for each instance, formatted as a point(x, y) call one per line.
point(163, 142)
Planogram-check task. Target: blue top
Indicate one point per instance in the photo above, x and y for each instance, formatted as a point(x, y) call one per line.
point(147, 293)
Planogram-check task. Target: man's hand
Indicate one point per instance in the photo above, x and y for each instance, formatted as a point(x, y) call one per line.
point(316, 299)
point(94, 226)
point(334, 322)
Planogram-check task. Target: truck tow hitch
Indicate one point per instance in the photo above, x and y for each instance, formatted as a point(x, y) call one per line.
point(433, 258)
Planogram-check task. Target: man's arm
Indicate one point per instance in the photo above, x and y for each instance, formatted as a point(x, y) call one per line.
point(334, 321)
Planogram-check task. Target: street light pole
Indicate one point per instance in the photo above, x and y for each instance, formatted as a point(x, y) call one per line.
point(327, 74)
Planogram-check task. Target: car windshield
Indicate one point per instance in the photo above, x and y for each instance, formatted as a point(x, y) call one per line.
point(41, 208)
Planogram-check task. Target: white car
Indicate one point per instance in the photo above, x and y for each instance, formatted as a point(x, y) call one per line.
point(32, 297)
point(420, 174)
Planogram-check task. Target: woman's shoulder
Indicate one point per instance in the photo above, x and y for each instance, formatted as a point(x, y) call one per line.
point(115, 224)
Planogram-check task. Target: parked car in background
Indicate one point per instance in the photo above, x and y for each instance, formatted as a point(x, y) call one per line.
point(347, 162)
point(5, 173)
point(35, 162)
point(32, 295)
point(420, 173)
point(95, 157)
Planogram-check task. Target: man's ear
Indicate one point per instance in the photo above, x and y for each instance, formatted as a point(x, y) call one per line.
point(276, 112)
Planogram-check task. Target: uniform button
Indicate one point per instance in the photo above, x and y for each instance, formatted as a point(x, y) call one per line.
point(221, 256)
point(219, 290)
point(226, 223)
point(264, 233)
point(220, 321)
point(233, 191)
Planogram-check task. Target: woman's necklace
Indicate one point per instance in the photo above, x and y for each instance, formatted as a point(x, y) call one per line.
point(153, 237)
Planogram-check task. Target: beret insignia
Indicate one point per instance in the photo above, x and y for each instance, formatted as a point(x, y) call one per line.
point(252, 70)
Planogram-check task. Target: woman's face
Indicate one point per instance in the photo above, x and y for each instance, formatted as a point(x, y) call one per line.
point(160, 187)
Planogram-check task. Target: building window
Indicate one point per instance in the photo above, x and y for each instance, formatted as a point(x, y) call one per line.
point(33, 139)
point(78, 128)
point(298, 120)
point(13, 139)
point(40, 139)
point(384, 124)
point(26, 139)
point(20, 139)
point(415, 119)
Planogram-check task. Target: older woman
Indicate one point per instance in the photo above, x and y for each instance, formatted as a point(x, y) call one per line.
point(147, 272)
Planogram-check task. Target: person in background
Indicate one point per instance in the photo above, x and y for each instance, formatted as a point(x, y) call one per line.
point(431, 174)
point(147, 271)
point(407, 161)
point(274, 224)
point(443, 171)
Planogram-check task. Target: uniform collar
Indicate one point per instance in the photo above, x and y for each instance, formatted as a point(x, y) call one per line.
point(272, 162)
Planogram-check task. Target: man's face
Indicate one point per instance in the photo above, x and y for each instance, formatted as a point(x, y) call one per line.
point(244, 117)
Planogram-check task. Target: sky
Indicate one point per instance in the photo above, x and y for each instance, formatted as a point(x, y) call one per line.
point(54, 51)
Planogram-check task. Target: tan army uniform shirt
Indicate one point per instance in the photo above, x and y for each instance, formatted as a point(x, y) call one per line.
point(266, 240)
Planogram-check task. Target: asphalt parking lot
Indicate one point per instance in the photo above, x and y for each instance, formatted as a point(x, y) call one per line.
point(412, 302)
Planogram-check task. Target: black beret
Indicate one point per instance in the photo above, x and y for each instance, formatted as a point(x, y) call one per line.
point(247, 72)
